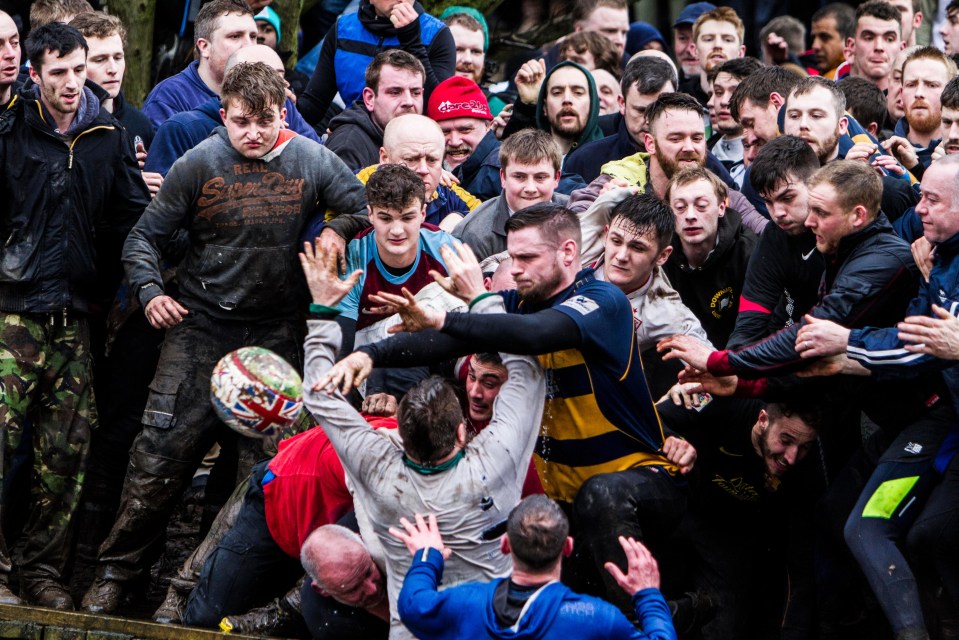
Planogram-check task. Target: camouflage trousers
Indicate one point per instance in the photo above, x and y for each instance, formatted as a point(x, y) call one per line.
point(46, 391)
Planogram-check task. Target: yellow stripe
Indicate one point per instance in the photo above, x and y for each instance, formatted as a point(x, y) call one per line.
point(562, 482)
point(562, 359)
point(574, 419)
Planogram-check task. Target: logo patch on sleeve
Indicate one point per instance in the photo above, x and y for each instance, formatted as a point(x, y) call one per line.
point(582, 304)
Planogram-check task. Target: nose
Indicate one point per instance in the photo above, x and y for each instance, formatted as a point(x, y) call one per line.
point(688, 144)
point(455, 139)
point(953, 131)
point(567, 96)
point(422, 168)
point(791, 454)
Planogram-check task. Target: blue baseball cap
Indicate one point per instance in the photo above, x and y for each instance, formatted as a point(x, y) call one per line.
point(691, 12)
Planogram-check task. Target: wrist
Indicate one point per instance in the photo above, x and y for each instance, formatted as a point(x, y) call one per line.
point(438, 319)
point(326, 310)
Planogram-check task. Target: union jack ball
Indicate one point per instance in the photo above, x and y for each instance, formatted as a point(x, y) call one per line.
point(256, 392)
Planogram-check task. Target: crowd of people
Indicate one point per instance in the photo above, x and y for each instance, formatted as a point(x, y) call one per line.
point(650, 339)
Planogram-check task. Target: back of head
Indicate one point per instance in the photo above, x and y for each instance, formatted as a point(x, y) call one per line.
point(530, 146)
point(648, 74)
point(855, 183)
point(394, 187)
point(255, 87)
point(604, 53)
point(396, 58)
point(780, 160)
point(760, 85)
point(255, 53)
point(556, 223)
point(843, 15)
point(537, 529)
point(96, 24)
point(720, 14)
point(865, 101)
point(44, 12)
point(670, 102)
point(428, 416)
point(411, 126)
point(57, 38)
point(789, 29)
point(644, 213)
point(210, 14)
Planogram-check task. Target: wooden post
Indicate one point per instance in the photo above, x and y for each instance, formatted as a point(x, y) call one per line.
point(289, 12)
point(137, 16)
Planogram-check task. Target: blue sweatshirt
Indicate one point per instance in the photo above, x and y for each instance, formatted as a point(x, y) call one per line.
point(466, 611)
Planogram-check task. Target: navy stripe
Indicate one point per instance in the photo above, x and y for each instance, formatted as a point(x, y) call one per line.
point(589, 451)
point(355, 46)
point(570, 382)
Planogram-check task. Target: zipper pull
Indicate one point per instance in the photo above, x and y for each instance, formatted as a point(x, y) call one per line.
point(70, 159)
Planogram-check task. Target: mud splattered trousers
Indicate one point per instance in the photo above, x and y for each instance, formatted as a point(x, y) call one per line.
point(46, 390)
point(179, 427)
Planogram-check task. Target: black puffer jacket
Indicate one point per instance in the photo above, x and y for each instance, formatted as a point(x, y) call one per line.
point(355, 138)
point(66, 202)
point(869, 282)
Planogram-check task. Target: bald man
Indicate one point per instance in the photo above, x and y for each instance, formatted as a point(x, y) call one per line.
point(9, 57)
point(417, 142)
point(185, 130)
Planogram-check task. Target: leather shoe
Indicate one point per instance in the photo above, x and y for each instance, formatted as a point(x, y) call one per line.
point(103, 596)
point(49, 594)
point(171, 609)
point(7, 596)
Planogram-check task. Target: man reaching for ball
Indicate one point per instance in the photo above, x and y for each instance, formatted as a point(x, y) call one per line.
point(243, 195)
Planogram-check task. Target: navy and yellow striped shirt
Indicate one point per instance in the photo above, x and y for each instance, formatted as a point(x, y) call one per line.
point(599, 416)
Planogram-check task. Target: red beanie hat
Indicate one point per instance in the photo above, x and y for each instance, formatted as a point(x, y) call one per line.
point(458, 97)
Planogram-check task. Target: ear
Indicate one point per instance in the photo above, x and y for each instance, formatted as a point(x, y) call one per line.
point(283, 114)
point(843, 125)
point(487, 283)
point(873, 128)
point(568, 547)
point(384, 157)
point(369, 212)
point(860, 216)
point(664, 256)
point(570, 252)
point(502, 175)
point(722, 207)
point(621, 105)
point(777, 99)
point(203, 47)
point(35, 76)
point(368, 96)
point(462, 439)
point(222, 110)
point(556, 180)
point(763, 419)
point(917, 20)
point(649, 142)
point(742, 51)
point(318, 589)
point(605, 231)
point(504, 545)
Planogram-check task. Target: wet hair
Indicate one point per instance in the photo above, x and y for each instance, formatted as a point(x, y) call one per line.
point(644, 213)
point(649, 74)
point(395, 58)
point(779, 160)
point(931, 53)
point(720, 14)
point(812, 414)
point(96, 24)
point(808, 85)
point(604, 52)
point(254, 85)
point(880, 10)
point(668, 101)
point(583, 8)
point(844, 16)
point(864, 100)
point(428, 416)
point(489, 358)
point(690, 175)
point(529, 146)
point(555, 222)
point(855, 184)
point(760, 85)
point(44, 12)
point(210, 14)
point(314, 550)
point(789, 29)
point(537, 529)
point(55, 37)
point(739, 68)
point(394, 186)
point(950, 94)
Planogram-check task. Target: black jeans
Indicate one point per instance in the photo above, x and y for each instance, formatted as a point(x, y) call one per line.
point(644, 503)
point(247, 568)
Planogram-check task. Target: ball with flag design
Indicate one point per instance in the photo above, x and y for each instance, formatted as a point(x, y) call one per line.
point(256, 392)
